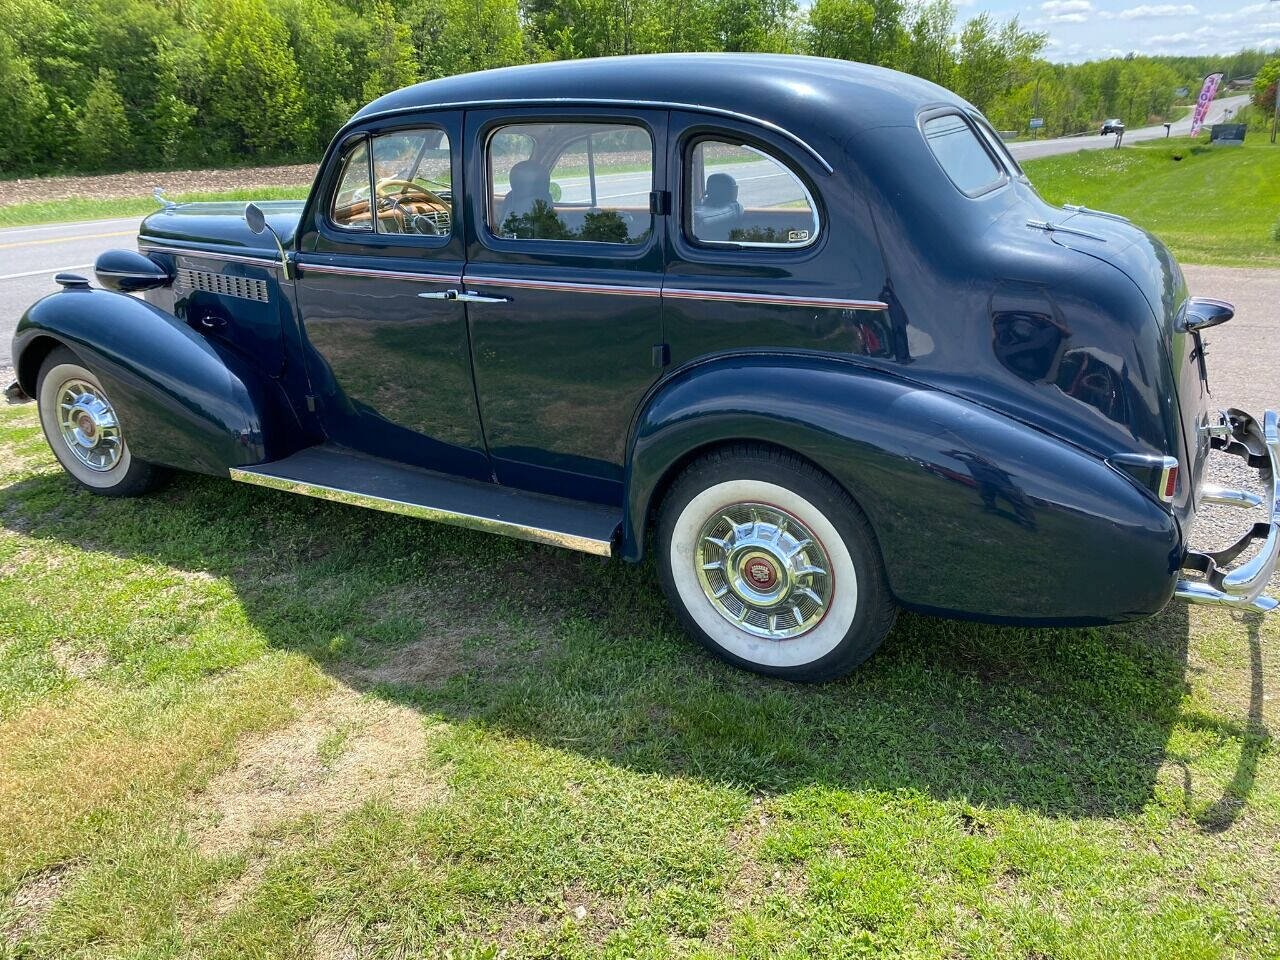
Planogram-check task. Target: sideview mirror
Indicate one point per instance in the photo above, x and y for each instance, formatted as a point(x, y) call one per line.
point(1202, 313)
point(256, 219)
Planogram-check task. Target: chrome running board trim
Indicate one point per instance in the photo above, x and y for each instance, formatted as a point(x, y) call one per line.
point(346, 476)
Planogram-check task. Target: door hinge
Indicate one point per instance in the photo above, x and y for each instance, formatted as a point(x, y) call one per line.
point(660, 202)
point(661, 355)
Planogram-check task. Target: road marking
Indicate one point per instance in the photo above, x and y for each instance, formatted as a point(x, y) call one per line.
point(37, 273)
point(87, 236)
point(110, 222)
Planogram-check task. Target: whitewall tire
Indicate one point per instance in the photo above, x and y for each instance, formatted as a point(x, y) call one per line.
point(84, 431)
point(772, 565)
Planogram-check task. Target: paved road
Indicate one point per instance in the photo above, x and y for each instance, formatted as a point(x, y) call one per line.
point(30, 256)
point(1092, 141)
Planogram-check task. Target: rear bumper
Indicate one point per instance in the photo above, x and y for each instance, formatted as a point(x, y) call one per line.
point(1242, 586)
point(15, 394)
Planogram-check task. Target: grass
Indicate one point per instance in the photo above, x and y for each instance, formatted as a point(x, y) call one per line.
point(1211, 205)
point(66, 211)
point(238, 723)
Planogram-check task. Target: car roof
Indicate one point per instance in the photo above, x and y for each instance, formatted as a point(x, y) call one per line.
point(794, 93)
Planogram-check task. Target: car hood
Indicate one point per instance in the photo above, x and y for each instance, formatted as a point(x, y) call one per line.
point(222, 225)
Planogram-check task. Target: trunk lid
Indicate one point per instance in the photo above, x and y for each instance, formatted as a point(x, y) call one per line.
point(1149, 264)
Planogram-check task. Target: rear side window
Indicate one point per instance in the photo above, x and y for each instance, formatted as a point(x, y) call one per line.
point(744, 197)
point(961, 154)
point(570, 181)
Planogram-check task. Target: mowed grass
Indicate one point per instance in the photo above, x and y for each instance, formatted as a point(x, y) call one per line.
point(88, 208)
point(239, 723)
point(1213, 205)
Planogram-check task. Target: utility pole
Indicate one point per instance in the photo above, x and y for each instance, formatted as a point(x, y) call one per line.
point(1275, 115)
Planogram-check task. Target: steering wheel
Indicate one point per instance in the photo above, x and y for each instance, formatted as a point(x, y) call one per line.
point(407, 187)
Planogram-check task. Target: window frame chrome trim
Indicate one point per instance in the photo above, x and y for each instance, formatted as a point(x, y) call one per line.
point(932, 113)
point(599, 102)
point(486, 228)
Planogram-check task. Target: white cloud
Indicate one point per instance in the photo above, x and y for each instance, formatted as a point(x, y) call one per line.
point(1066, 6)
point(1242, 14)
point(1150, 10)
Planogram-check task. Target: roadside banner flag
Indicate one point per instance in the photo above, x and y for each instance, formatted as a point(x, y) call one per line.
point(1207, 93)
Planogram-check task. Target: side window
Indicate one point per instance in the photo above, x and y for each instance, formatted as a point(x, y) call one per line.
point(413, 178)
point(961, 154)
point(350, 208)
point(742, 196)
point(570, 181)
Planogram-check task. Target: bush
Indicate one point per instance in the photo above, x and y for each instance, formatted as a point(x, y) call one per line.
point(105, 138)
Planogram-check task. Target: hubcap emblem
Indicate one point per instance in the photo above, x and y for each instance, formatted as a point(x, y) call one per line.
point(761, 574)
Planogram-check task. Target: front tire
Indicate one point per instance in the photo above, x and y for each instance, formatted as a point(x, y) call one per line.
point(84, 432)
point(772, 566)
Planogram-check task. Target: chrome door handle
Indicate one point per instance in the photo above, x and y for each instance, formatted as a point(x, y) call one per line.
point(440, 295)
point(481, 298)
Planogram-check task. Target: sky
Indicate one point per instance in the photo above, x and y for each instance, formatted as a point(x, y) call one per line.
point(1091, 29)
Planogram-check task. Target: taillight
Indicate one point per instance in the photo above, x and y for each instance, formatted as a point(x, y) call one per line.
point(1169, 480)
point(1152, 472)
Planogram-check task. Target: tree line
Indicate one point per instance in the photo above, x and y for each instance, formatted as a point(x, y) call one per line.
point(98, 85)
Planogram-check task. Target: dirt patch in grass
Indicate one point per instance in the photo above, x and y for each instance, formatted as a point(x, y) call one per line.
point(755, 879)
point(338, 754)
point(32, 901)
point(113, 185)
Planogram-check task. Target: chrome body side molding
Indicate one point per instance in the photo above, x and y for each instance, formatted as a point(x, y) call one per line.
point(773, 298)
point(145, 246)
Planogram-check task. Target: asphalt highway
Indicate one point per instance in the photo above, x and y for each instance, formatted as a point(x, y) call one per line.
point(1025, 150)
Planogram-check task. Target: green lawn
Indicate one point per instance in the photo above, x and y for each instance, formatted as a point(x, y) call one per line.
point(65, 211)
point(239, 723)
point(1215, 205)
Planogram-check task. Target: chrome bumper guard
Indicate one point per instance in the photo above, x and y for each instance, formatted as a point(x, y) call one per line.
point(1242, 586)
point(14, 393)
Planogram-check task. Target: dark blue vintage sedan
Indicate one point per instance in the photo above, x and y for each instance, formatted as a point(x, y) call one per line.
point(800, 324)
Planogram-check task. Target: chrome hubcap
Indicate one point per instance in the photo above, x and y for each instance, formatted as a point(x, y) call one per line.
point(88, 425)
point(764, 571)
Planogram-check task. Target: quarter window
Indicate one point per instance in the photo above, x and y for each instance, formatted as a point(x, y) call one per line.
point(570, 181)
point(742, 196)
point(961, 154)
point(411, 185)
point(350, 208)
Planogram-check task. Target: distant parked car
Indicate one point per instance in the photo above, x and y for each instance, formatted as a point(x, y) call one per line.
point(1115, 125)
point(823, 361)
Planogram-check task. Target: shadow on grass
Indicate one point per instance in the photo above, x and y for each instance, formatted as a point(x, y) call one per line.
point(582, 655)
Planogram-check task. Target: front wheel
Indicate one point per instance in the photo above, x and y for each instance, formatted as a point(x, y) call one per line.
point(84, 432)
point(772, 566)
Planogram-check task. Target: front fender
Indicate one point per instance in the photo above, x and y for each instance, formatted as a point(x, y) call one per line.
point(182, 401)
point(976, 514)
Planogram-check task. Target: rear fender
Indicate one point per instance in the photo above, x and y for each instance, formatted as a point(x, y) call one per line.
point(183, 401)
point(976, 515)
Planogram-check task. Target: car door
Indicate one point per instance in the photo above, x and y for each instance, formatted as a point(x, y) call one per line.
point(563, 283)
point(752, 259)
point(386, 337)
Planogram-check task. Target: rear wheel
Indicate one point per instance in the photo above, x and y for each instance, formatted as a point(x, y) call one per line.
point(772, 565)
point(84, 432)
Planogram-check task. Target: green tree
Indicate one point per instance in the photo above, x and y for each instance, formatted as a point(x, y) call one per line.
point(253, 98)
point(458, 36)
point(389, 61)
point(105, 140)
point(1264, 86)
point(23, 111)
point(930, 49)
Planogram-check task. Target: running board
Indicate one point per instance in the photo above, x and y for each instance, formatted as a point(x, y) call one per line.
point(342, 475)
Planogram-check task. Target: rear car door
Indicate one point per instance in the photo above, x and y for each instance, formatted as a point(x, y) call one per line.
point(563, 288)
point(380, 269)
